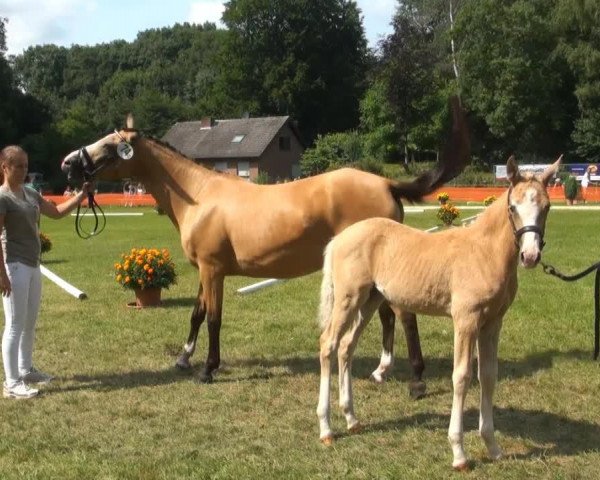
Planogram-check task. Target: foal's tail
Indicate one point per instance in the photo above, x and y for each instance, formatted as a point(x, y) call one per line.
point(455, 156)
point(326, 305)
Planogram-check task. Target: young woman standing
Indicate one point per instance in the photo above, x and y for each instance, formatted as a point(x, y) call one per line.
point(20, 276)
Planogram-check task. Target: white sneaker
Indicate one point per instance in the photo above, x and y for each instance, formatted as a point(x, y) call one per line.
point(35, 376)
point(20, 390)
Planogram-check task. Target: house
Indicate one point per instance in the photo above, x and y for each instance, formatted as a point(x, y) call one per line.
point(247, 147)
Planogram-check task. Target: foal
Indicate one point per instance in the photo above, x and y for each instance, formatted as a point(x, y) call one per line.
point(469, 274)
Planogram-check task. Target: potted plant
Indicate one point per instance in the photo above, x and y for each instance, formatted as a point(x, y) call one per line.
point(146, 271)
point(443, 198)
point(45, 243)
point(571, 189)
point(487, 201)
point(448, 213)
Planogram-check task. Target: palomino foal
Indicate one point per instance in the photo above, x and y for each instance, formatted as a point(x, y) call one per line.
point(469, 274)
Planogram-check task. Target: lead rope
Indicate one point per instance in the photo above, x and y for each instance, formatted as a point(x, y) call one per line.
point(99, 220)
point(550, 270)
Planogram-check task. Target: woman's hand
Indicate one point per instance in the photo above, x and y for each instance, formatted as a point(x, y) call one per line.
point(5, 286)
point(87, 187)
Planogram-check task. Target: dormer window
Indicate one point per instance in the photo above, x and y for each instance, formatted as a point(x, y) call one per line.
point(238, 138)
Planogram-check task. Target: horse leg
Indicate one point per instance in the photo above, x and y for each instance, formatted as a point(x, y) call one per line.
point(212, 282)
point(196, 320)
point(388, 322)
point(487, 345)
point(340, 319)
point(464, 342)
point(417, 386)
point(345, 354)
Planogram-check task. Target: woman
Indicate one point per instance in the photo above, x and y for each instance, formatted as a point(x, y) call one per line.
point(20, 277)
point(586, 179)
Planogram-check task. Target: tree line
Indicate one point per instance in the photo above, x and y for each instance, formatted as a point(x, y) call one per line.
point(527, 72)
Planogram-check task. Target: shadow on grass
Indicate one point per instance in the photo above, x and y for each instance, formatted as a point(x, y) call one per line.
point(54, 261)
point(552, 434)
point(179, 302)
point(440, 367)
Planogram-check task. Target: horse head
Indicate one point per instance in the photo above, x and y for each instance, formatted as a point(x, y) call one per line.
point(113, 155)
point(528, 206)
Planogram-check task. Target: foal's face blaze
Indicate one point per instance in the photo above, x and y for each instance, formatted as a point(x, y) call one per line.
point(529, 207)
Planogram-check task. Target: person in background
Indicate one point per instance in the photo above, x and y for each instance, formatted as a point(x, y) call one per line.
point(20, 276)
point(586, 179)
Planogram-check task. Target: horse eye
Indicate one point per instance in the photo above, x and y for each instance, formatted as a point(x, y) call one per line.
point(512, 208)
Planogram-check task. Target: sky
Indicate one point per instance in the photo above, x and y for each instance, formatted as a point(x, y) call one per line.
point(89, 22)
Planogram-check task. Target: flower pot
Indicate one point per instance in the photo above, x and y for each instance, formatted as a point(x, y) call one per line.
point(442, 201)
point(146, 297)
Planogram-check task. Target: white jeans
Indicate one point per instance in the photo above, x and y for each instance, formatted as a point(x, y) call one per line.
point(21, 310)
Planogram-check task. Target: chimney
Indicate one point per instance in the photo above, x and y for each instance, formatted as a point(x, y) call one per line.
point(206, 123)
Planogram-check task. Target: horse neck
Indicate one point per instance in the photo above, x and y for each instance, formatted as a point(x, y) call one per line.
point(496, 230)
point(172, 179)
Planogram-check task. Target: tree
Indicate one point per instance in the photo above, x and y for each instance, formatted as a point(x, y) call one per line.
point(297, 57)
point(510, 77)
point(577, 24)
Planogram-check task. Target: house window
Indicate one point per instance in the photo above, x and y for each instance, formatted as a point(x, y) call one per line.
point(238, 138)
point(244, 169)
point(221, 166)
point(285, 144)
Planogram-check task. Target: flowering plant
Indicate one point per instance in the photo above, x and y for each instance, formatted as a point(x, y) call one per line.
point(487, 201)
point(45, 243)
point(145, 268)
point(448, 213)
point(443, 197)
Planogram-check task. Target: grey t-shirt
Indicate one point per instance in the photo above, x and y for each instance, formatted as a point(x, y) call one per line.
point(20, 235)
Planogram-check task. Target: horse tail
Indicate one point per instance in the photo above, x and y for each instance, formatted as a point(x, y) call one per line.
point(455, 156)
point(326, 305)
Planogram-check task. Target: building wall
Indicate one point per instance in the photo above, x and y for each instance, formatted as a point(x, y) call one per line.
point(278, 163)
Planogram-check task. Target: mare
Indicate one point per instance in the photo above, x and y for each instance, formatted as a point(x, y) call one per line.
point(291, 223)
point(469, 274)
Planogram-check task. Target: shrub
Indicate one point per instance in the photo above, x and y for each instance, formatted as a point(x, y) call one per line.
point(448, 213)
point(145, 268)
point(487, 201)
point(571, 188)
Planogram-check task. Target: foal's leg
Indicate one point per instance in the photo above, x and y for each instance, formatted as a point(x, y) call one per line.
point(465, 334)
point(345, 354)
point(341, 319)
point(488, 373)
point(212, 282)
point(198, 315)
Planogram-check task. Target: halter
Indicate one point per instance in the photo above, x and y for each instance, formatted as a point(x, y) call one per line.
point(527, 228)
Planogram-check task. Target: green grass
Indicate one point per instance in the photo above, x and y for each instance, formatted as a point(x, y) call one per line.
point(119, 410)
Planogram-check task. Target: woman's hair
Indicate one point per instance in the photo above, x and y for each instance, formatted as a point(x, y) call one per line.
point(8, 155)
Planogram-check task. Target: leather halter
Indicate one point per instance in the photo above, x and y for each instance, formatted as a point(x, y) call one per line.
point(527, 228)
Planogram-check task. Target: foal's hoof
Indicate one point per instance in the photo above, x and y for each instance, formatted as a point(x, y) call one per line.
point(327, 441)
point(205, 377)
point(417, 389)
point(376, 377)
point(183, 363)
point(356, 428)
point(464, 466)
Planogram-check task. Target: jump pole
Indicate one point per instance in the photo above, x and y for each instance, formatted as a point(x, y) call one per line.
point(70, 289)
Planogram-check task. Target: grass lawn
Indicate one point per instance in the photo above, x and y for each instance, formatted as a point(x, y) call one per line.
point(120, 410)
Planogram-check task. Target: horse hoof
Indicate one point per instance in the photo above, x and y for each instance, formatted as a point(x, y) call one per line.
point(356, 428)
point(183, 363)
point(327, 441)
point(463, 466)
point(377, 378)
point(417, 389)
point(205, 378)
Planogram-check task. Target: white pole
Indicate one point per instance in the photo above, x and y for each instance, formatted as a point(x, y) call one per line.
point(259, 285)
point(62, 284)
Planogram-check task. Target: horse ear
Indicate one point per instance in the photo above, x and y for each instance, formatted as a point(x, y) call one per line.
point(512, 171)
point(550, 171)
point(129, 121)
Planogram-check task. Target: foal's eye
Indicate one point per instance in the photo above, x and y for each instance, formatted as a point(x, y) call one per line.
point(512, 208)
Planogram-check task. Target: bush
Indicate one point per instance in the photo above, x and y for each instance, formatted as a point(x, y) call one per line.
point(332, 151)
point(571, 188)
